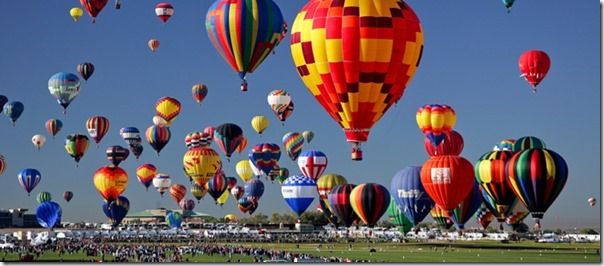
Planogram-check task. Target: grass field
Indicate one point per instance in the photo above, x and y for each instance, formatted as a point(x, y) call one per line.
point(474, 251)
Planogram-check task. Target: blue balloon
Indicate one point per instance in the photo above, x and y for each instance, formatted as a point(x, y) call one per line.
point(466, 209)
point(174, 219)
point(64, 87)
point(116, 210)
point(253, 189)
point(29, 178)
point(299, 192)
point(131, 135)
point(409, 194)
point(13, 110)
point(3, 101)
point(48, 214)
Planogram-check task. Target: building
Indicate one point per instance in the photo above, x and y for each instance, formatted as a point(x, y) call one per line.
point(159, 215)
point(18, 218)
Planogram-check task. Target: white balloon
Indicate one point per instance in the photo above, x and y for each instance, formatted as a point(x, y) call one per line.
point(158, 121)
point(38, 140)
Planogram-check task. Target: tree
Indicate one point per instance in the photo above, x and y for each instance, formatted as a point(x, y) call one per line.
point(285, 218)
point(258, 218)
point(314, 217)
point(589, 231)
point(521, 228)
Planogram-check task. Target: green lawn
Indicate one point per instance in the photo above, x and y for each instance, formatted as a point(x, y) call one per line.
point(475, 251)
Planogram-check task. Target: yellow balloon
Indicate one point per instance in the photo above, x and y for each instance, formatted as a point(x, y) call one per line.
point(110, 182)
point(231, 218)
point(167, 108)
point(259, 123)
point(223, 198)
point(244, 170)
point(76, 13)
point(201, 164)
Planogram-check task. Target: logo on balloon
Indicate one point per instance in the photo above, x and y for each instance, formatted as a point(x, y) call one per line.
point(440, 175)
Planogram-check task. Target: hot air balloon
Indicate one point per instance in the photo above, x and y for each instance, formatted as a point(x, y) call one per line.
point(466, 209)
point(293, 142)
point(228, 137)
point(93, 7)
point(174, 219)
point(223, 198)
point(76, 13)
point(490, 172)
point(110, 182)
point(369, 201)
point(162, 182)
point(153, 44)
point(592, 201)
point(282, 175)
point(528, 142)
point(452, 144)
point(242, 39)
point(187, 204)
point(244, 170)
point(323, 208)
point(2, 164)
point(201, 164)
point(116, 209)
point(13, 110)
point(339, 203)
point(508, 4)
point(29, 179)
point(178, 192)
point(279, 100)
point(237, 192)
point(484, 217)
point(53, 126)
point(398, 218)
point(231, 218)
point(38, 141)
point(505, 145)
point(312, 163)
point(253, 189)
point(265, 156)
point(440, 217)
point(537, 176)
point(137, 150)
point(130, 135)
point(67, 195)
point(76, 146)
point(354, 75)
point(231, 182)
point(328, 181)
point(97, 127)
point(217, 185)
point(200, 91)
point(299, 192)
point(246, 205)
point(85, 69)
point(48, 214)
point(3, 101)
point(259, 123)
point(410, 195)
point(158, 137)
point(308, 136)
point(257, 172)
point(534, 65)
point(517, 214)
point(242, 145)
point(116, 154)
point(435, 120)
point(64, 87)
point(210, 131)
point(198, 191)
point(164, 11)
point(158, 121)
point(43, 196)
point(284, 114)
point(447, 179)
point(167, 108)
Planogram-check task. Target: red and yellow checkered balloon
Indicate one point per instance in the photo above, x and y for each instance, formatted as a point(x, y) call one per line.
point(356, 57)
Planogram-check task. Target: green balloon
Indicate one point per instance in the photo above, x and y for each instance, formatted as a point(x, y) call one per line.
point(397, 217)
point(43, 197)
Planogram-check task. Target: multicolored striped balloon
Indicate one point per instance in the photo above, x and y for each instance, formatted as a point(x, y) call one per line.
point(200, 91)
point(528, 142)
point(85, 69)
point(201, 164)
point(452, 144)
point(116, 154)
point(370, 201)
point(217, 185)
point(43, 196)
point(484, 217)
point(228, 137)
point(299, 192)
point(293, 142)
point(130, 135)
point(198, 191)
point(312, 163)
point(466, 209)
point(178, 192)
point(356, 58)
point(76, 146)
point(187, 204)
point(158, 137)
point(435, 120)
point(537, 176)
point(327, 182)
point(490, 172)
point(339, 203)
point(244, 32)
point(97, 127)
point(439, 215)
point(53, 126)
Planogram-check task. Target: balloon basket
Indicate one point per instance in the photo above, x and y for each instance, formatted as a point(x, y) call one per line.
point(356, 155)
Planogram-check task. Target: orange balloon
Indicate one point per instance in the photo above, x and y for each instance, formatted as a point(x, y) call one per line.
point(178, 192)
point(110, 182)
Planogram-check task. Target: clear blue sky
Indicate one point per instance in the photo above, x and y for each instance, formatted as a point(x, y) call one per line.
point(469, 62)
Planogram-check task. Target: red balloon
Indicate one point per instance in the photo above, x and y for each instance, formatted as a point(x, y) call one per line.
point(447, 179)
point(534, 65)
point(93, 7)
point(451, 145)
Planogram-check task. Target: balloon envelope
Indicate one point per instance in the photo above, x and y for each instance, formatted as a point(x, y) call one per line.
point(48, 214)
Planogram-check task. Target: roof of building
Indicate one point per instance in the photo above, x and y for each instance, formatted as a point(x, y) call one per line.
point(161, 213)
